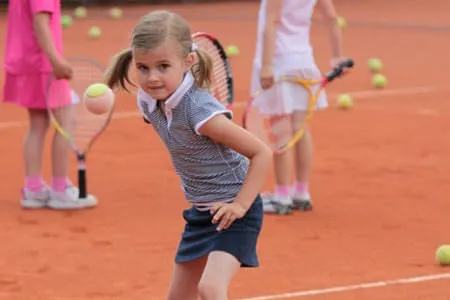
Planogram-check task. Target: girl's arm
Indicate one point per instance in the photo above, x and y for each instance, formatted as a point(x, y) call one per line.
point(44, 36)
point(273, 12)
point(61, 68)
point(330, 15)
point(224, 131)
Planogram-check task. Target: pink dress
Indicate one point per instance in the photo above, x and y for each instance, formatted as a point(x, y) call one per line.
point(27, 68)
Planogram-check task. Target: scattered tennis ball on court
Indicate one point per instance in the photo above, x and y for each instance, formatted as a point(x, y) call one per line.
point(232, 50)
point(80, 12)
point(375, 65)
point(116, 13)
point(379, 81)
point(66, 21)
point(344, 101)
point(443, 255)
point(94, 32)
point(341, 22)
point(99, 98)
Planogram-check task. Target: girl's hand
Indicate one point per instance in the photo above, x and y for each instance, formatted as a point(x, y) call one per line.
point(335, 61)
point(266, 77)
point(62, 69)
point(227, 213)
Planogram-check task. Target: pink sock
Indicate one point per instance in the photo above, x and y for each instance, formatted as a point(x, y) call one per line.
point(34, 183)
point(283, 191)
point(59, 184)
point(300, 187)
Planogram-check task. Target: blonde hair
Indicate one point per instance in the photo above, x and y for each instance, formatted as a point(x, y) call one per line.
point(153, 30)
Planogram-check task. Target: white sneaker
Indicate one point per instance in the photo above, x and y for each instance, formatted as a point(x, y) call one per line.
point(271, 204)
point(33, 200)
point(302, 201)
point(69, 200)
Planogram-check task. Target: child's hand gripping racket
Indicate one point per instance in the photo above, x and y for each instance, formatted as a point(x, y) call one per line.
point(222, 77)
point(282, 131)
point(78, 114)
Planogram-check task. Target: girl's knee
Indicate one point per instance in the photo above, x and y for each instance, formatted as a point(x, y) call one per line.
point(210, 290)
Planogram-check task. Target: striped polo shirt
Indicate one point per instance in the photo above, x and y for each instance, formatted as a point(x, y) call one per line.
point(209, 171)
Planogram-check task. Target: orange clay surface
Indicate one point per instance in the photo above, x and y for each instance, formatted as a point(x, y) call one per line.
point(380, 183)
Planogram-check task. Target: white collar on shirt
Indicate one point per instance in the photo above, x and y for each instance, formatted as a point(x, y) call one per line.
point(174, 99)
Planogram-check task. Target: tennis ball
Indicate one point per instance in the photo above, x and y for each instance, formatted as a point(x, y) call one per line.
point(116, 13)
point(94, 32)
point(99, 98)
point(66, 21)
point(232, 50)
point(341, 22)
point(379, 81)
point(344, 101)
point(443, 255)
point(375, 65)
point(80, 12)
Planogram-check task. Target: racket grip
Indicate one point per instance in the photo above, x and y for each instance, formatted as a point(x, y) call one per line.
point(337, 71)
point(82, 177)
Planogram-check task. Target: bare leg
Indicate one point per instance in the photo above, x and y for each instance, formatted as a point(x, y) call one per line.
point(185, 280)
point(34, 141)
point(60, 146)
point(215, 281)
point(303, 163)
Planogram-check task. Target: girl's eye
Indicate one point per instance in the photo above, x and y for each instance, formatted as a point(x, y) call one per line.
point(142, 68)
point(163, 67)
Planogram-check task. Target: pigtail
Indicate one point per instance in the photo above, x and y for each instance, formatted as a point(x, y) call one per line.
point(117, 73)
point(202, 69)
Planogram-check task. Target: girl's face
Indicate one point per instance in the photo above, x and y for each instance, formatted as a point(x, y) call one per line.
point(161, 70)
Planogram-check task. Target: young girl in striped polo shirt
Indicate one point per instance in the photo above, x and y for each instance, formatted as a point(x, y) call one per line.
point(220, 174)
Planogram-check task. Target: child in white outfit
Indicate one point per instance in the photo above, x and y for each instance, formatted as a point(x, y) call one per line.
point(283, 48)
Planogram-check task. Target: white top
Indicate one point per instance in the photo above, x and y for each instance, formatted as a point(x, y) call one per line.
point(293, 33)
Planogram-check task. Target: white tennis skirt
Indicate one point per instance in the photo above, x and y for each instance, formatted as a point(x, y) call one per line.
point(285, 98)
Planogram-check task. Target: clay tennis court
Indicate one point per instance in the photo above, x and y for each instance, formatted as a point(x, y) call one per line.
point(380, 180)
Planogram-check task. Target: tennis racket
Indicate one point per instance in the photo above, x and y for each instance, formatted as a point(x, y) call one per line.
point(281, 131)
point(86, 126)
point(222, 78)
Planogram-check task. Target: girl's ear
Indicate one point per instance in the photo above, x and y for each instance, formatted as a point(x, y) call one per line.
point(190, 60)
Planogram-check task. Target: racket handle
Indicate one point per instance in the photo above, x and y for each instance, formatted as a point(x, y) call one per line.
point(82, 177)
point(337, 71)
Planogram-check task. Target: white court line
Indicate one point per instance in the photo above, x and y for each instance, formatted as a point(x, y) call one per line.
point(366, 94)
point(354, 287)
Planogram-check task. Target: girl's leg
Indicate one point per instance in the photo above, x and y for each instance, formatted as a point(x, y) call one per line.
point(61, 149)
point(303, 162)
point(281, 201)
point(35, 194)
point(185, 279)
point(220, 269)
point(34, 143)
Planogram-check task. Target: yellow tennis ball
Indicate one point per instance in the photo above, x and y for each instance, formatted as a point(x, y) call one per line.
point(344, 101)
point(80, 12)
point(375, 65)
point(99, 98)
point(379, 81)
point(94, 32)
point(341, 22)
point(66, 21)
point(116, 13)
point(443, 255)
point(232, 50)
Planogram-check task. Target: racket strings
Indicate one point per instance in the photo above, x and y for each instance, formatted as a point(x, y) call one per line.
point(86, 124)
point(219, 87)
point(278, 125)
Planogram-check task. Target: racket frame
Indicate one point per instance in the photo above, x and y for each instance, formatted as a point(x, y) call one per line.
point(79, 153)
point(226, 62)
point(307, 84)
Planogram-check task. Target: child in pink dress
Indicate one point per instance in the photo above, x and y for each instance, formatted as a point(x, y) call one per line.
point(33, 52)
